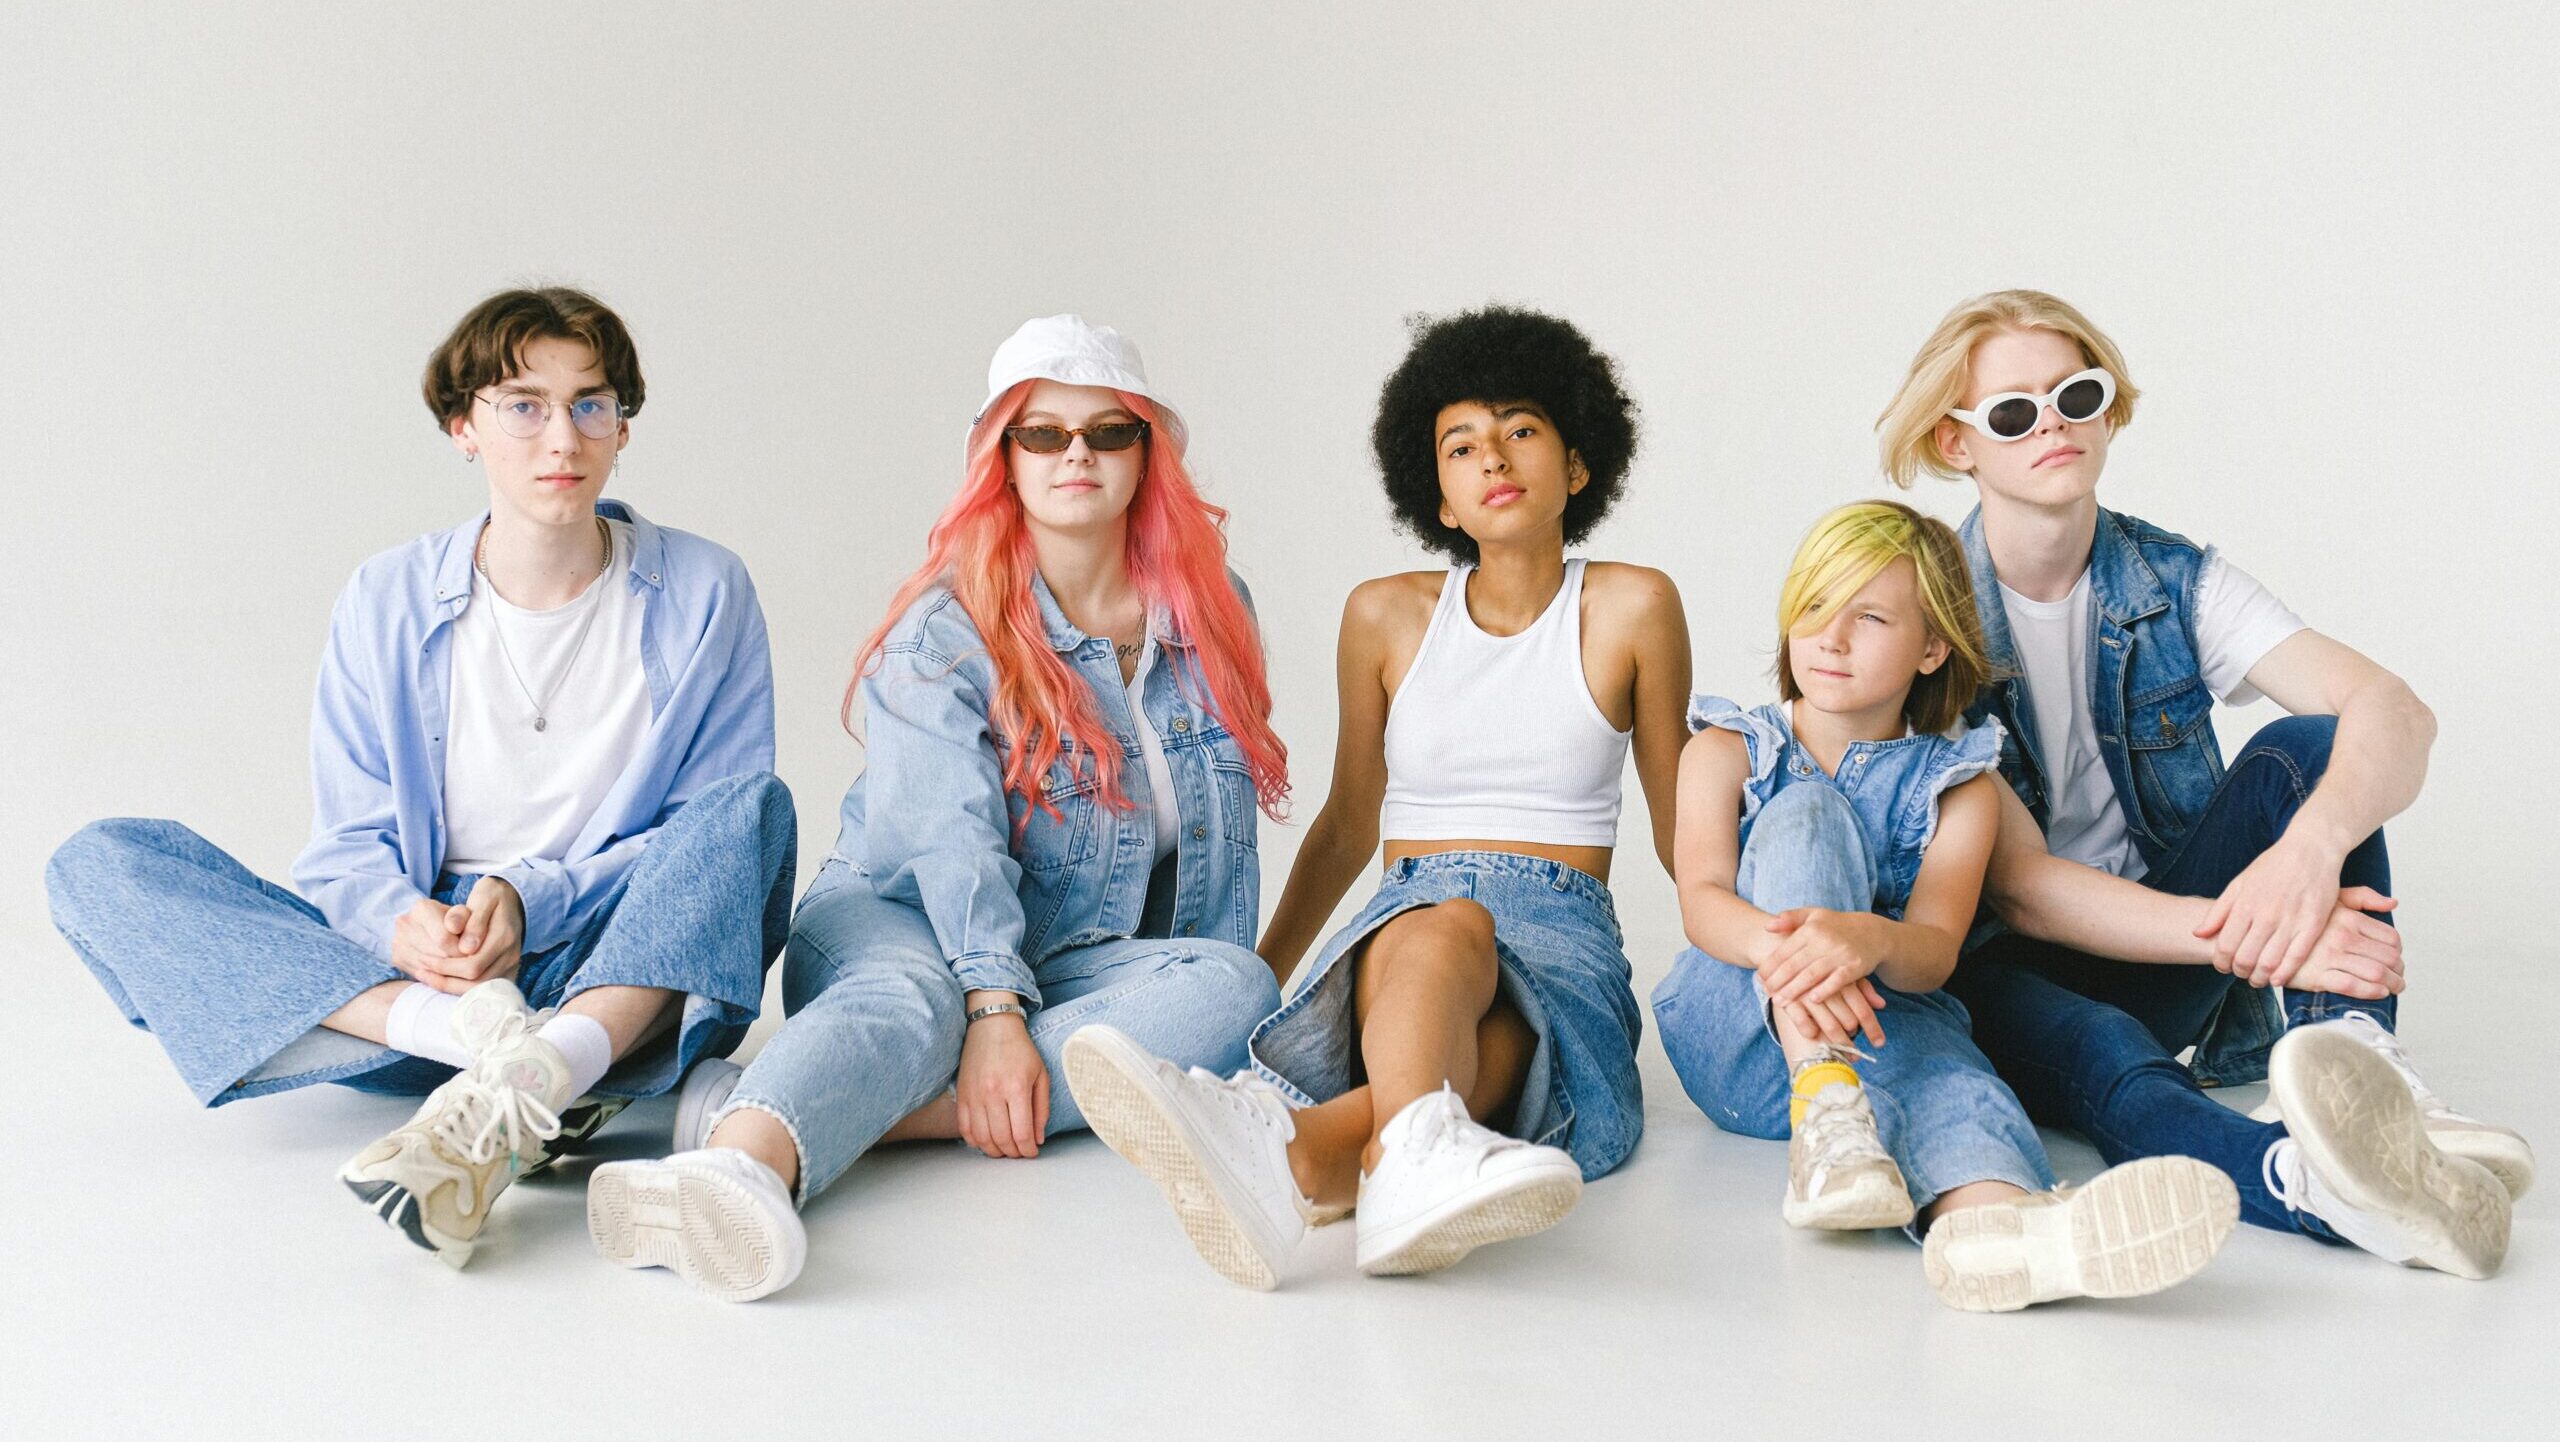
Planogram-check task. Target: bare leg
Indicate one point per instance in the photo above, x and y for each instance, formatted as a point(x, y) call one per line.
point(761, 1135)
point(936, 1121)
point(1425, 997)
point(1971, 1194)
point(369, 1015)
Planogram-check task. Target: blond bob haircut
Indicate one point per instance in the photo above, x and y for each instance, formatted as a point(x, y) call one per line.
point(1850, 547)
point(1907, 432)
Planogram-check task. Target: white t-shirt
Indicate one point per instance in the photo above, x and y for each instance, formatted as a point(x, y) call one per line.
point(2237, 622)
point(512, 792)
point(1159, 771)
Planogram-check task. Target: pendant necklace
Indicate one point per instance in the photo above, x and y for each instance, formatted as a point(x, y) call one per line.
point(542, 703)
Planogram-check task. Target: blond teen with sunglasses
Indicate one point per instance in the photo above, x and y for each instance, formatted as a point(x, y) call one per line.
point(2158, 898)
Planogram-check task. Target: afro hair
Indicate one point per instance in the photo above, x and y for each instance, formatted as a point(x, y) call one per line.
point(1494, 356)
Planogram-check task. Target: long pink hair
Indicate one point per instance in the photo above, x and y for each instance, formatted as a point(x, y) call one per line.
point(1177, 551)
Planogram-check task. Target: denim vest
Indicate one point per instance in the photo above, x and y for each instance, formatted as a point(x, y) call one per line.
point(2154, 718)
point(1007, 885)
point(1892, 786)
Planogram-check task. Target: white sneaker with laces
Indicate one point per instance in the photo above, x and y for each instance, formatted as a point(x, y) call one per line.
point(434, 1178)
point(2135, 1229)
point(1839, 1176)
point(2498, 1148)
point(493, 1015)
point(705, 1091)
point(718, 1218)
point(2360, 1159)
point(1446, 1186)
point(1217, 1147)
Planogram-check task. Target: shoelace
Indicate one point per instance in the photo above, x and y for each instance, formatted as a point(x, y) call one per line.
point(482, 1112)
point(2374, 1034)
point(1445, 1126)
point(1243, 1100)
point(1839, 1128)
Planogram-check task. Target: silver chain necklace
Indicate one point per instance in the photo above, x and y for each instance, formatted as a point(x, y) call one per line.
point(542, 703)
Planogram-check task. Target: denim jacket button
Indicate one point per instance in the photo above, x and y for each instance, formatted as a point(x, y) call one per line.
point(1199, 833)
point(1181, 724)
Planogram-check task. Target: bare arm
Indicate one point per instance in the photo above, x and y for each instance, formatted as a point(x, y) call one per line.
point(2266, 921)
point(1660, 628)
point(1344, 834)
point(2046, 897)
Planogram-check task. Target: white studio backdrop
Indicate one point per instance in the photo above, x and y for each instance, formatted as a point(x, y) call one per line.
point(230, 234)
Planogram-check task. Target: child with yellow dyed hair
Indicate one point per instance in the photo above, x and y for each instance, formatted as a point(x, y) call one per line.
point(1830, 851)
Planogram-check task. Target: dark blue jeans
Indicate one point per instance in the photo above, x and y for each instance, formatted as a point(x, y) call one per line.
point(2090, 1043)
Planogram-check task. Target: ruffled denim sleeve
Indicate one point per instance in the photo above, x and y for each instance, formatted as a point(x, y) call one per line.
point(1961, 757)
point(1762, 741)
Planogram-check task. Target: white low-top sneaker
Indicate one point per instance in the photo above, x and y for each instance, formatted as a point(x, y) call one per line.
point(1217, 1147)
point(2498, 1148)
point(2360, 1158)
point(2135, 1229)
point(705, 1091)
point(1446, 1186)
point(718, 1218)
point(1839, 1176)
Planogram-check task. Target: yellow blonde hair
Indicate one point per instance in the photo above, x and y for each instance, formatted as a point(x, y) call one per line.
point(1908, 430)
point(1850, 547)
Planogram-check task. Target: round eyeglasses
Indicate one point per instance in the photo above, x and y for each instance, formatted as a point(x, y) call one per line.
point(523, 414)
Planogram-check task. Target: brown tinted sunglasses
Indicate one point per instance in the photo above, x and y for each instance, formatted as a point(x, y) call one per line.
point(1049, 440)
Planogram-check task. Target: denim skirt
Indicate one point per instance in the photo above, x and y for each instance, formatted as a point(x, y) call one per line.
point(1564, 966)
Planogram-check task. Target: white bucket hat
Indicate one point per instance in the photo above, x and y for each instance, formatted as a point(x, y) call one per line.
point(1067, 349)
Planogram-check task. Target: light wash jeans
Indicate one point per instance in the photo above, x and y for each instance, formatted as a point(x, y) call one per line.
point(1942, 1112)
point(234, 974)
point(876, 1020)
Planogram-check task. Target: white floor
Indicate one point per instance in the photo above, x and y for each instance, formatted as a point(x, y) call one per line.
point(176, 1273)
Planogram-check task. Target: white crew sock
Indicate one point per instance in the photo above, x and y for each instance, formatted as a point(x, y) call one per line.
point(421, 1024)
point(584, 1044)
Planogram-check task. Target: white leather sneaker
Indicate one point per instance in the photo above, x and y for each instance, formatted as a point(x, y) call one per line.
point(705, 1091)
point(2361, 1159)
point(1446, 1186)
point(1839, 1176)
point(1217, 1147)
point(718, 1218)
point(2498, 1148)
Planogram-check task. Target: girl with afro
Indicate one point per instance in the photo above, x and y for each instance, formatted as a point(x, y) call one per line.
point(1461, 1057)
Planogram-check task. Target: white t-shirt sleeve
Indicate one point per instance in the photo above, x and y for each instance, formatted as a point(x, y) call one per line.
point(2238, 621)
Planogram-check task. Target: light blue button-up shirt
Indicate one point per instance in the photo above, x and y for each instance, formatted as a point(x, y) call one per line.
point(378, 728)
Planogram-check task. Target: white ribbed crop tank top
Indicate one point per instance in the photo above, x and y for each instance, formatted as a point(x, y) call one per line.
point(1497, 737)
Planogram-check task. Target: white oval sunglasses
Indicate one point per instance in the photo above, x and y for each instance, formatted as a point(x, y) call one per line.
point(2011, 415)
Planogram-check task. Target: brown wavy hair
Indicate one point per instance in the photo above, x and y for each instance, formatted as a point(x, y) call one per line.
point(487, 346)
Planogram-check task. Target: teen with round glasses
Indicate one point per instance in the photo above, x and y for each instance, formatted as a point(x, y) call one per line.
point(1461, 1056)
point(1069, 738)
point(2155, 897)
point(542, 752)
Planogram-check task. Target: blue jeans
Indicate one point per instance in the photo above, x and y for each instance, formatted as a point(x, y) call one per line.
point(234, 975)
point(875, 1018)
point(2090, 1043)
point(1940, 1110)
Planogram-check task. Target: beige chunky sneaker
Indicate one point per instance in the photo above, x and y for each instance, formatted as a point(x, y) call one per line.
point(1839, 1177)
point(434, 1178)
point(2133, 1230)
point(492, 1015)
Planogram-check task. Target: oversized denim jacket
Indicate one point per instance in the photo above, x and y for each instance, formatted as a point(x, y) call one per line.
point(929, 822)
point(378, 728)
point(2154, 717)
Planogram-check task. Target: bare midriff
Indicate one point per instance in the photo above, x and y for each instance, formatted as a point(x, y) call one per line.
point(1592, 861)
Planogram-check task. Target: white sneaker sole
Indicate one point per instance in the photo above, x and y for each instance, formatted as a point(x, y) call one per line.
point(2360, 1130)
point(2139, 1228)
point(1519, 1204)
point(1875, 1201)
point(1115, 1083)
point(702, 1223)
point(2507, 1156)
point(706, 1089)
